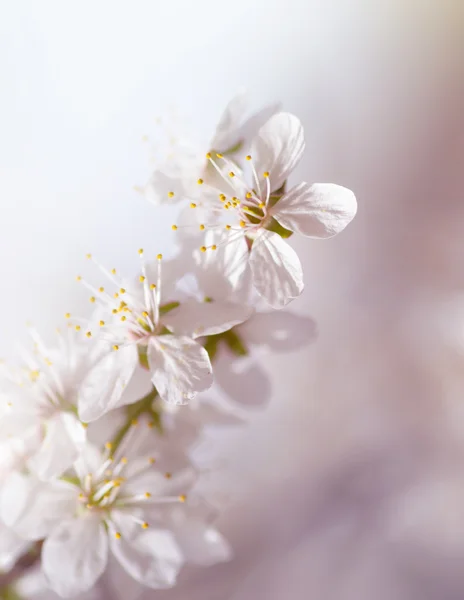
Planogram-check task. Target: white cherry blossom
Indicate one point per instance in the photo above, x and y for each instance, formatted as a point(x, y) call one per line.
point(260, 212)
point(40, 401)
point(142, 330)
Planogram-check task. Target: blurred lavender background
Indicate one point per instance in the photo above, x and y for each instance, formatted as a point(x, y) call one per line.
point(350, 484)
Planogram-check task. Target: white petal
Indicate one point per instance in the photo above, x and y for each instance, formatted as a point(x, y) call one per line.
point(201, 544)
point(278, 148)
point(206, 318)
point(227, 132)
point(152, 558)
point(75, 555)
point(276, 268)
point(103, 388)
point(64, 439)
point(33, 508)
point(320, 210)
point(180, 368)
point(11, 547)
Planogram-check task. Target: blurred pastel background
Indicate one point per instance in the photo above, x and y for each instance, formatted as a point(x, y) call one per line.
point(351, 480)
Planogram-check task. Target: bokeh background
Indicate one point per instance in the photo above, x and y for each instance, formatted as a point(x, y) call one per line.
point(350, 482)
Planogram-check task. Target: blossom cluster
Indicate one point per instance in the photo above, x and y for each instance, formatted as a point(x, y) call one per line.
point(98, 478)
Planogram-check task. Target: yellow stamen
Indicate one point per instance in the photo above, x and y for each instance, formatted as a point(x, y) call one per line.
point(170, 194)
point(200, 181)
point(159, 256)
point(203, 248)
point(174, 227)
point(115, 347)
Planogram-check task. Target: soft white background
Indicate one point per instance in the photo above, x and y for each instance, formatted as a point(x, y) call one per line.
point(352, 480)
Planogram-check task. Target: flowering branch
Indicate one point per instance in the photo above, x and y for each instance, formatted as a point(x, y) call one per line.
point(76, 500)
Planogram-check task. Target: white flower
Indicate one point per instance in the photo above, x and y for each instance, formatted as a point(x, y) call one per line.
point(143, 330)
point(119, 504)
point(40, 403)
point(255, 210)
point(176, 177)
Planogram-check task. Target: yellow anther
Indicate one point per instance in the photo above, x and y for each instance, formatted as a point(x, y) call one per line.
point(67, 316)
point(202, 227)
point(261, 205)
point(123, 318)
point(115, 347)
point(117, 535)
point(122, 291)
point(246, 209)
point(88, 256)
point(168, 475)
point(182, 498)
point(78, 278)
point(102, 323)
point(113, 271)
point(101, 289)
point(108, 445)
point(134, 422)
point(145, 314)
point(85, 425)
point(159, 256)
point(193, 205)
point(141, 278)
point(115, 311)
point(124, 460)
point(214, 247)
point(203, 248)
point(92, 299)
point(200, 181)
point(77, 327)
point(152, 460)
point(81, 496)
point(266, 174)
point(248, 157)
point(234, 198)
point(116, 295)
point(174, 227)
point(228, 227)
point(248, 195)
point(242, 224)
point(145, 525)
point(141, 251)
point(88, 334)
point(227, 205)
point(231, 174)
point(147, 495)
point(208, 155)
point(219, 155)
point(170, 194)
point(222, 197)
point(152, 286)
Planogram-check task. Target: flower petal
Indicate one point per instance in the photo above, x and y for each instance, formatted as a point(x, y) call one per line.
point(276, 268)
point(32, 508)
point(152, 558)
point(103, 388)
point(320, 210)
point(64, 439)
point(206, 318)
point(11, 547)
point(278, 148)
point(180, 368)
point(75, 555)
point(227, 132)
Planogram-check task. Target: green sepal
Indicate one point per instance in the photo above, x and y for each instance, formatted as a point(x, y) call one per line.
point(166, 308)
